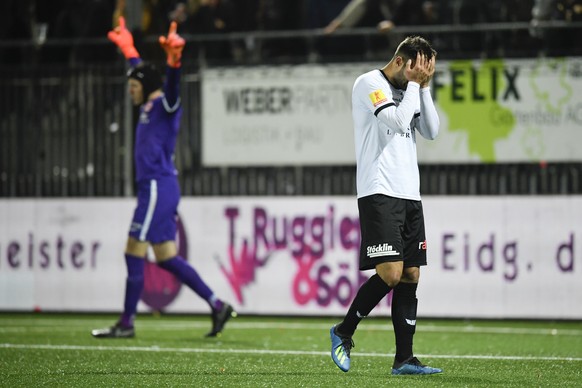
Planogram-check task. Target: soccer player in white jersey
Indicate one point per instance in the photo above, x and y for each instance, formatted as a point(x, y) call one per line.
point(389, 107)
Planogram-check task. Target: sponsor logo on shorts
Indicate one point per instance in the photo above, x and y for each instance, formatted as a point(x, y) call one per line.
point(135, 227)
point(381, 250)
point(422, 245)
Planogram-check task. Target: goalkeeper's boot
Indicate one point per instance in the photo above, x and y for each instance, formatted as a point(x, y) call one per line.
point(340, 349)
point(219, 319)
point(115, 331)
point(413, 366)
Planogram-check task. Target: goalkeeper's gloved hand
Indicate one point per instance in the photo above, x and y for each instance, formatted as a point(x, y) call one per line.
point(123, 39)
point(173, 45)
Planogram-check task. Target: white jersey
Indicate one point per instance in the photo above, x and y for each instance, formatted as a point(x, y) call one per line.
point(385, 121)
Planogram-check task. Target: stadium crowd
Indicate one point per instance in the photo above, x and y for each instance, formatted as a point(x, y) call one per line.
point(37, 21)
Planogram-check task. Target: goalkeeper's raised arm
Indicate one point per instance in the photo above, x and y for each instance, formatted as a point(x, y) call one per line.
point(123, 39)
point(173, 44)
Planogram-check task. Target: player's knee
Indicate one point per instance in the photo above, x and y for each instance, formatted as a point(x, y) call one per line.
point(165, 251)
point(136, 248)
point(391, 278)
point(390, 272)
point(410, 275)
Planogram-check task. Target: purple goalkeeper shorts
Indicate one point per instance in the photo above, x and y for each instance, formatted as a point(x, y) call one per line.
point(154, 219)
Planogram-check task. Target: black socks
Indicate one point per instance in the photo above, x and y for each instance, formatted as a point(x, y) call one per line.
point(404, 304)
point(368, 296)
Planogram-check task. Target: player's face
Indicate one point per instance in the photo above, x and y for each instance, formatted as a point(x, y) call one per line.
point(135, 90)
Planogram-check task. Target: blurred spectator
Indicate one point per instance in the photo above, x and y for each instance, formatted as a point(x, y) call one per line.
point(79, 19)
point(206, 17)
point(469, 12)
point(280, 15)
point(557, 41)
point(517, 43)
point(542, 10)
point(319, 14)
point(569, 10)
point(385, 15)
point(38, 20)
point(209, 16)
point(15, 23)
point(154, 20)
point(411, 13)
point(349, 17)
point(390, 13)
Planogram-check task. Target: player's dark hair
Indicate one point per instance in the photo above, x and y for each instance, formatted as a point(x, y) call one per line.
point(149, 77)
point(412, 45)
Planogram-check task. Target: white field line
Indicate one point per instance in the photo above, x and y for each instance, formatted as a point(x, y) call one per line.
point(270, 352)
point(18, 326)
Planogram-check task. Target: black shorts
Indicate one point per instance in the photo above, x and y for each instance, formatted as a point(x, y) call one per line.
point(392, 230)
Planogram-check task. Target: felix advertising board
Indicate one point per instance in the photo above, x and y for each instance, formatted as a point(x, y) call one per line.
point(489, 257)
point(518, 110)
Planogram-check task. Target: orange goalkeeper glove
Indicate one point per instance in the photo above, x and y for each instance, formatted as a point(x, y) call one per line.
point(173, 45)
point(123, 39)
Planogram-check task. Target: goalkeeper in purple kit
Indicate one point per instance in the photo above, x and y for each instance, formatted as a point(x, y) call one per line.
point(158, 191)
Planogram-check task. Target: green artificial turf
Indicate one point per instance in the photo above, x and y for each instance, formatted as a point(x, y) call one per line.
point(171, 351)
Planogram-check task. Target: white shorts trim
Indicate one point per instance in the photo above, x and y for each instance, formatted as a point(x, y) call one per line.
point(150, 212)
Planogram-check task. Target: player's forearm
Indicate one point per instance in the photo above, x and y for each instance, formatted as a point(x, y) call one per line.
point(172, 85)
point(398, 118)
point(352, 13)
point(429, 118)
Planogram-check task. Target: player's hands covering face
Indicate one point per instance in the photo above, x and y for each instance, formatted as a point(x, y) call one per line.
point(421, 70)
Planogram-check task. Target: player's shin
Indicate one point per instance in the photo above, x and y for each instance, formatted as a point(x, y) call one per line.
point(404, 307)
point(188, 275)
point(368, 296)
point(133, 288)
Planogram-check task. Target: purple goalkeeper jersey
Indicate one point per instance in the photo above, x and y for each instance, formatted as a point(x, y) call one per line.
point(156, 132)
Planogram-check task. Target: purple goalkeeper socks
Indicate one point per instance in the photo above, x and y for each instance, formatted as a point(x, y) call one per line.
point(188, 275)
point(133, 289)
